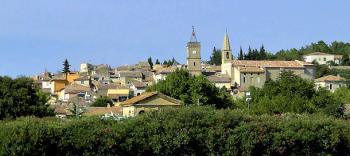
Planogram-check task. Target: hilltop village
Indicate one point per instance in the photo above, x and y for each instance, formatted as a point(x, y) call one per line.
point(126, 85)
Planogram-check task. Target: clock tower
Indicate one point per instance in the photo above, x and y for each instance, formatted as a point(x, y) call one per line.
point(194, 55)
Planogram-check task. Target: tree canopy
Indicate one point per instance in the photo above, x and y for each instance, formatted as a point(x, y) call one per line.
point(18, 98)
point(102, 101)
point(192, 90)
point(290, 93)
point(215, 58)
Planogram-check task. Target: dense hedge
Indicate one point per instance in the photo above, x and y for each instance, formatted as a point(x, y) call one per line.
point(189, 130)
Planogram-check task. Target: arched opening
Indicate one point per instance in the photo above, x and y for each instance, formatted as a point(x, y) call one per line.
point(138, 94)
point(141, 112)
point(227, 55)
point(194, 63)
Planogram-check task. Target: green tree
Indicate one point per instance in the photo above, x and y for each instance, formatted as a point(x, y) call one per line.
point(192, 90)
point(241, 54)
point(262, 53)
point(165, 62)
point(150, 62)
point(215, 58)
point(322, 70)
point(157, 61)
point(102, 101)
point(19, 98)
point(66, 67)
point(291, 93)
point(345, 60)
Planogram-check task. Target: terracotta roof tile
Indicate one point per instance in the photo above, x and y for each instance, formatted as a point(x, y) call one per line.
point(251, 69)
point(219, 79)
point(264, 63)
point(146, 95)
point(76, 88)
point(329, 78)
point(92, 111)
point(318, 53)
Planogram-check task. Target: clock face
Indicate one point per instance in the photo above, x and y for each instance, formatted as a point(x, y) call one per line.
point(194, 52)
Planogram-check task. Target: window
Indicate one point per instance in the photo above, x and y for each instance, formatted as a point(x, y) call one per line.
point(194, 63)
point(339, 85)
point(251, 79)
point(324, 59)
point(258, 79)
point(81, 82)
point(330, 86)
point(243, 79)
point(227, 55)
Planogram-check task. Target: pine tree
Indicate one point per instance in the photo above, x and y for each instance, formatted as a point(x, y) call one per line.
point(241, 55)
point(165, 63)
point(263, 54)
point(66, 67)
point(150, 62)
point(249, 55)
point(157, 61)
point(215, 58)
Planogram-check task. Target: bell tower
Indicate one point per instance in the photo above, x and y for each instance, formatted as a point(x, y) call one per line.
point(194, 55)
point(226, 52)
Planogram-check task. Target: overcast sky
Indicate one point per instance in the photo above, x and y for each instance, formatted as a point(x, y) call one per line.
point(39, 34)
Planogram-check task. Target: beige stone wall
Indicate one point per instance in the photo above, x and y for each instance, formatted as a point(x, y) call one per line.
point(331, 86)
point(252, 79)
point(129, 111)
point(227, 69)
point(220, 85)
point(236, 77)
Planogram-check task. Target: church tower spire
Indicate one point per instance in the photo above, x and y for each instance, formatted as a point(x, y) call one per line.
point(193, 36)
point(226, 52)
point(226, 45)
point(194, 55)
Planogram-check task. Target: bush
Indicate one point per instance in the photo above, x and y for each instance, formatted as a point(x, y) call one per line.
point(184, 131)
point(18, 98)
point(102, 101)
point(291, 93)
point(193, 90)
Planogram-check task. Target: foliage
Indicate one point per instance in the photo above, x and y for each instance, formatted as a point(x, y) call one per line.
point(255, 54)
point(322, 70)
point(336, 47)
point(241, 55)
point(184, 131)
point(169, 62)
point(66, 67)
point(345, 73)
point(150, 62)
point(291, 93)
point(102, 101)
point(192, 90)
point(76, 109)
point(19, 98)
point(157, 61)
point(215, 58)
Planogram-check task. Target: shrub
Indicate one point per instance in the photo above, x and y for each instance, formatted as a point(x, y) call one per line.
point(184, 131)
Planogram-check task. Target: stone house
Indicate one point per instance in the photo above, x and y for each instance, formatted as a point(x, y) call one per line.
point(323, 58)
point(330, 82)
point(148, 101)
point(246, 73)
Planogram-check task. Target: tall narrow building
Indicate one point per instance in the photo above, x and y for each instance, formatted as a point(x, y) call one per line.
point(194, 55)
point(226, 52)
